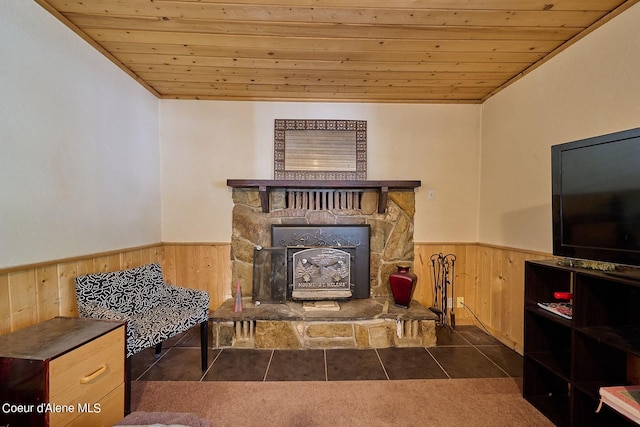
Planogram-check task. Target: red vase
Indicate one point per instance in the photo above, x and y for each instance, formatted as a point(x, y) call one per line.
point(402, 283)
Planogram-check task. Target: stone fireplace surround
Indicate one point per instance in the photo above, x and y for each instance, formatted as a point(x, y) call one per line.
point(373, 322)
point(391, 235)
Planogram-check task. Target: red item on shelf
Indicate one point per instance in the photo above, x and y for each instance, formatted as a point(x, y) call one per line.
point(563, 295)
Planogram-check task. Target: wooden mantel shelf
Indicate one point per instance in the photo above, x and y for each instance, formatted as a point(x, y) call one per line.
point(264, 186)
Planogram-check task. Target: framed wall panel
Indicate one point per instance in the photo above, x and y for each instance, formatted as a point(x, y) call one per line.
point(328, 150)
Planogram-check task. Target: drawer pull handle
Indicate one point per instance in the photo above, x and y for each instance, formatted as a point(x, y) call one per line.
point(92, 376)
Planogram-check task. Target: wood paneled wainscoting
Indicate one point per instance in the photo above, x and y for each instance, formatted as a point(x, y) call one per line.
point(491, 281)
point(35, 293)
point(490, 278)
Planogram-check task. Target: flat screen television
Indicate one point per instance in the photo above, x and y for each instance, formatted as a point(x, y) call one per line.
point(596, 198)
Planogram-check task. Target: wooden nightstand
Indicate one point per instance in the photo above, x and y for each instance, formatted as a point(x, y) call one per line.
point(62, 371)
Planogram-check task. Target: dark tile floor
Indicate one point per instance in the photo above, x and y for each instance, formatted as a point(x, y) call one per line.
point(467, 352)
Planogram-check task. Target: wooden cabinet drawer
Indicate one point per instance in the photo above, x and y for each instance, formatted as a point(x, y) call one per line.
point(81, 378)
point(66, 370)
point(111, 409)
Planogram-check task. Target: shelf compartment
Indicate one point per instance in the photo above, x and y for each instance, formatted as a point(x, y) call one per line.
point(548, 392)
point(543, 279)
point(584, 413)
point(605, 302)
point(557, 363)
point(534, 308)
point(548, 342)
point(625, 338)
point(597, 364)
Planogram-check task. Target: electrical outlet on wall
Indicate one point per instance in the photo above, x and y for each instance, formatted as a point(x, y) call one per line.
point(460, 302)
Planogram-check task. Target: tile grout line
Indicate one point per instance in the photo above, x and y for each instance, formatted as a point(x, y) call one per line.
point(435, 359)
point(492, 361)
point(386, 374)
point(266, 372)
point(155, 362)
point(476, 347)
point(211, 365)
point(326, 368)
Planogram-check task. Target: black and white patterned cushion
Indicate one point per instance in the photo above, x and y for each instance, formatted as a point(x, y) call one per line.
point(154, 310)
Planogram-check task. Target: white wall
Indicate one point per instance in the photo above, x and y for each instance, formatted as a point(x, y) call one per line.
point(79, 154)
point(81, 170)
point(590, 89)
point(204, 143)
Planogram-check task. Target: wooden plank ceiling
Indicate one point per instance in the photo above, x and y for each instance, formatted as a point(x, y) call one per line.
point(411, 51)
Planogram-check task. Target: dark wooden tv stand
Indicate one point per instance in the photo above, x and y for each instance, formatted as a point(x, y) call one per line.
point(566, 361)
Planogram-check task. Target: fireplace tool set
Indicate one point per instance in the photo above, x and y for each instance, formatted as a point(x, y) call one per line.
point(443, 281)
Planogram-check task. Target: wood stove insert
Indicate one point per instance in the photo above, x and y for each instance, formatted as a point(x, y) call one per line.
point(352, 240)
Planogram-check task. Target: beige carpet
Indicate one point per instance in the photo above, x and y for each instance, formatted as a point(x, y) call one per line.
point(450, 402)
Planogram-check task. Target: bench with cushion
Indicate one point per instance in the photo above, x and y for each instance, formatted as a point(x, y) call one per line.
point(153, 309)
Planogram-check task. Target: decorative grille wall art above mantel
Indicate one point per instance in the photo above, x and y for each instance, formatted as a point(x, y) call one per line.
point(324, 150)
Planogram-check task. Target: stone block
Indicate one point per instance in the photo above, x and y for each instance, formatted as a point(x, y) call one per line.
point(287, 213)
point(294, 220)
point(428, 333)
point(400, 243)
point(392, 213)
point(369, 203)
point(329, 343)
point(379, 283)
point(223, 334)
point(246, 196)
point(242, 250)
point(276, 334)
point(278, 199)
point(406, 201)
point(329, 330)
point(361, 334)
point(408, 342)
point(380, 231)
point(320, 217)
point(244, 272)
point(249, 225)
point(382, 335)
point(349, 220)
point(244, 343)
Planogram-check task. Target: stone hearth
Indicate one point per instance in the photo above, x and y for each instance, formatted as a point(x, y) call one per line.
point(360, 323)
